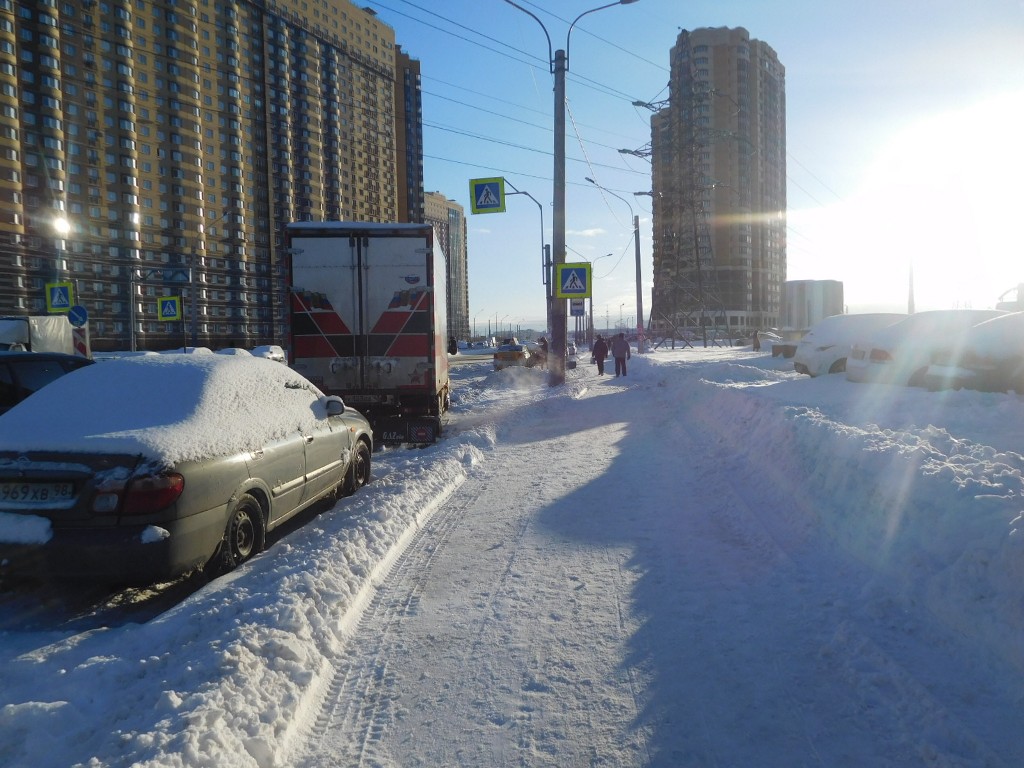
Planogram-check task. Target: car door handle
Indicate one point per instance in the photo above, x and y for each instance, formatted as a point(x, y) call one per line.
point(309, 438)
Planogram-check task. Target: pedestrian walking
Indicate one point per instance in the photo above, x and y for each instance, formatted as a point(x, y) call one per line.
point(621, 353)
point(600, 352)
point(542, 344)
point(756, 343)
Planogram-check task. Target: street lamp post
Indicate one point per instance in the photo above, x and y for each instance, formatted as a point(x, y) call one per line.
point(135, 277)
point(559, 64)
point(640, 341)
point(543, 249)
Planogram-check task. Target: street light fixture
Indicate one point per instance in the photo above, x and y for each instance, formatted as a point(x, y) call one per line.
point(543, 248)
point(559, 65)
point(640, 341)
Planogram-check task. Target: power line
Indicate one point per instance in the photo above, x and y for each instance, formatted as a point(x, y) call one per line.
point(492, 140)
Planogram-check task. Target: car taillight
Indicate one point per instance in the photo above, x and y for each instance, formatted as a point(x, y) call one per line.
point(152, 493)
point(880, 356)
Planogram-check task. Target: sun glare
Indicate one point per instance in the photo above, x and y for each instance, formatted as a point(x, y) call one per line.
point(942, 197)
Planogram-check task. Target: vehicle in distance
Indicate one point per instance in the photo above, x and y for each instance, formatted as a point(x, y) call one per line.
point(990, 359)
point(901, 353)
point(824, 348)
point(140, 469)
point(24, 373)
point(269, 351)
point(512, 352)
point(37, 333)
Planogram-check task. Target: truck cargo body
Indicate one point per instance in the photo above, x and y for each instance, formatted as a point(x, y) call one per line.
point(37, 333)
point(368, 321)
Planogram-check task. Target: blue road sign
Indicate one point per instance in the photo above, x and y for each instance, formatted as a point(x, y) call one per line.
point(77, 316)
point(58, 297)
point(169, 308)
point(572, 281)
point(487, 195)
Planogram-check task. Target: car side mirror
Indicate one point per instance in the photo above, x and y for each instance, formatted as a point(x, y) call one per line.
point(334, 405)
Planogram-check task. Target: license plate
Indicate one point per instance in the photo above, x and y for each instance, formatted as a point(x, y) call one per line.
point(35, 493)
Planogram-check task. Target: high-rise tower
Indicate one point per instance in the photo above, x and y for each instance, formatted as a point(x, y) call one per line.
point(718, 148)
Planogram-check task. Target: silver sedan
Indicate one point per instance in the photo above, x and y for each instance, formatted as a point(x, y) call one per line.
point(141, 469)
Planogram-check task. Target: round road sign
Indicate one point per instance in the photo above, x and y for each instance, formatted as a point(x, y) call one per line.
point(77, 316)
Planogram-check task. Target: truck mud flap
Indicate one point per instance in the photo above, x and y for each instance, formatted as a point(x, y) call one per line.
point(394, 430)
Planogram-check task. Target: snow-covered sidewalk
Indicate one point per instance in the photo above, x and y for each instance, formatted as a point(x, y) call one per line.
point(713, 561)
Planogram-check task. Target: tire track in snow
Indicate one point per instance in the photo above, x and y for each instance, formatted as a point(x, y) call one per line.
point(358, 709)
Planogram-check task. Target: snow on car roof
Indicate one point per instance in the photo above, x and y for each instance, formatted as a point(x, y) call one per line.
point(169, 408)
point(1001, 336)
point(925, 326)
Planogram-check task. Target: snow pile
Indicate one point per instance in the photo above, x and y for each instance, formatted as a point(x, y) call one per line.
point(924, 489)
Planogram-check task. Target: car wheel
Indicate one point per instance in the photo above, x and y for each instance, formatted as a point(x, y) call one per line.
point(243, 536)
point(917, 379)
point(839, 366)
point(358, 471)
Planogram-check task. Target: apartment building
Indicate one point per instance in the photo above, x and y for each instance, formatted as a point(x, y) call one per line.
point(449, 220)
point(152, 149)
point(718, 153)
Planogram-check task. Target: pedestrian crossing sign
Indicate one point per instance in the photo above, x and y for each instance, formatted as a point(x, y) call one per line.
point(487, 195)
point(169, 308)
point(59, 297)
point(572, 281)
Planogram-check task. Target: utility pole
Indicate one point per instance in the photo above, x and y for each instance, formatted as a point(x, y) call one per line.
point(559, 63)
point(636, 250)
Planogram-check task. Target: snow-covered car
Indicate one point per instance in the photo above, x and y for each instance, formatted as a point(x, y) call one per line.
point(24, 373)
point(824, 348)
point(991, 358)
point(270, 352)
point(141, 469)
point(511, 352)
point(902, 352)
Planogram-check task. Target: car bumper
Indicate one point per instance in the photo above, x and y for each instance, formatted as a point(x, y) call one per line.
point(133, 554)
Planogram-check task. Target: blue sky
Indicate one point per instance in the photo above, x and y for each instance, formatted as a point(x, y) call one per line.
point(903, 132)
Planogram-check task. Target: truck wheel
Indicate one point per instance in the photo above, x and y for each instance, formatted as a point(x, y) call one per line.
point(243, 537)
point(358, 473)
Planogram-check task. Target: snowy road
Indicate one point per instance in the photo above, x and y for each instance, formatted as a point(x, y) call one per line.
point(585, 600)
point(713, 562)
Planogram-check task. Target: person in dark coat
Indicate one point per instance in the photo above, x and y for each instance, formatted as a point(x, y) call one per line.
point(600, 352)
point(453, 346)
point(543, 344)
point(756, 343)
point(621, 353)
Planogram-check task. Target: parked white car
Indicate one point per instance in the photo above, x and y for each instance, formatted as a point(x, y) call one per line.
point(991, 358)
point(270, 352)
point(825, 347)
point(902, 352)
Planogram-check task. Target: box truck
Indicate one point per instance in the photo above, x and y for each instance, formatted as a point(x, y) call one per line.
point(368, 321)
point(38, 333)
